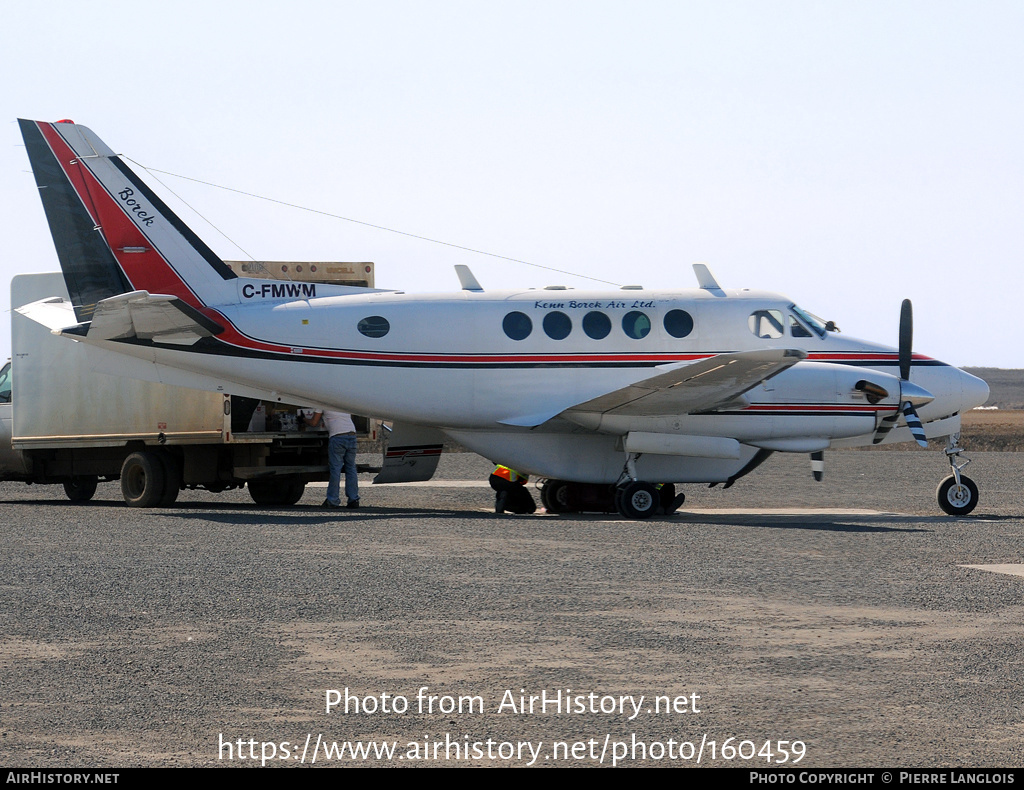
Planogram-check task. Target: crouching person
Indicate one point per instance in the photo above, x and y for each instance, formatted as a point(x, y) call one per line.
point(511, 493)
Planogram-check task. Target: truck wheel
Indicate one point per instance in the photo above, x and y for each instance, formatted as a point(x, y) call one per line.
point(81, 489)
point(276, 492)
point(143, 479)
point(172, 478)
point(296, 488)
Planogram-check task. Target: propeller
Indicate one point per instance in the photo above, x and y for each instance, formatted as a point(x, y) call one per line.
point(910, 394)
point(906, 338)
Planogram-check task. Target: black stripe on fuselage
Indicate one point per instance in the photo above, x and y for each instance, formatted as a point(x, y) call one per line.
point(864, 363)
point(90, 270)
point(206, 323)
point(214, 347)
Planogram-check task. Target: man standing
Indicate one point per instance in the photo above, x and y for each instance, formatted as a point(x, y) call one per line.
point(341, 454)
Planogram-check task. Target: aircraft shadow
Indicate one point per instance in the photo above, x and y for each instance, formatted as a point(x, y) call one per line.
point(306, 515)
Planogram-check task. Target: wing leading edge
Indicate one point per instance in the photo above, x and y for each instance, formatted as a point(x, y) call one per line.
point(699, 386)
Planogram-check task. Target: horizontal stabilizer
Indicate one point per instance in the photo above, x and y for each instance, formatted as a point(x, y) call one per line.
point(164, 319)
point(56, 314)
point(695, 387)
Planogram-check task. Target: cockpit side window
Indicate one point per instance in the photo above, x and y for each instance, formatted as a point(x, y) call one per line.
point(767, 324)
point(807, 320)
point(796, 329)
point(5, 384)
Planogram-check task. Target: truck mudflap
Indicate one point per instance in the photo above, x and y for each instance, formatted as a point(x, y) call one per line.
point(412, 454)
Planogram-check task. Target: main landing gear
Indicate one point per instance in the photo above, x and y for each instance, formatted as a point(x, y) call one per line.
point(629, 497)
point(635, 499)
point(957, 494)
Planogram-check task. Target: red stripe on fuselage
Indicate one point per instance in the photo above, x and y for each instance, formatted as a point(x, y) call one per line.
point(784, 408)
point(232, 336)
point(146, 271)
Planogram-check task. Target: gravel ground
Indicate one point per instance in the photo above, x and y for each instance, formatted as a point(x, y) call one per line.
point(151, 638)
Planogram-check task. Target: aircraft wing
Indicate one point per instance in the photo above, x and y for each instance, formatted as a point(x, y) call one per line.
point(698, 386)
point(166, 319)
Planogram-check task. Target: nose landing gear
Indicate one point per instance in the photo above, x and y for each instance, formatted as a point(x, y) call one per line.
point(957, 494)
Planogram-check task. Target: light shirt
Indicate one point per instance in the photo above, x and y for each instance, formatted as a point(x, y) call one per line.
point(338, 422)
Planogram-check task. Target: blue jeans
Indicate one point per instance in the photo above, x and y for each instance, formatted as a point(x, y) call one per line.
point(341, 454)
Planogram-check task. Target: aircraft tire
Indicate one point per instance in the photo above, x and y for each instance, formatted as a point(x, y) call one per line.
point(143, 479)
point(81, 489)
point(554, 495)
point(954, 500)
point(638, 500)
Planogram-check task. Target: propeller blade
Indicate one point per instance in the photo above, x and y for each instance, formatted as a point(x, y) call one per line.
point(886, 425)
point(906, 338)
point(818, 465)
point(914, 423)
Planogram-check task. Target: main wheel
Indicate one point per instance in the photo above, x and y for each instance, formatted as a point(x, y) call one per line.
point(554, 495)
point(957, 500)
point(143, 479)
point(638, 500)
point(80, 489)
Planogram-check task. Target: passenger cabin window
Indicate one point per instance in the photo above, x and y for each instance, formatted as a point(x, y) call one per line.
point(374, 326)
point(678, 323)
point(597, 325)
point(517, 326)
point(767, 324)
point(636, 325)
point(557, 325)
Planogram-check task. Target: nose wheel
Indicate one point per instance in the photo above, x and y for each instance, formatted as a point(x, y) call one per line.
point(957, 498)
point(957, 494)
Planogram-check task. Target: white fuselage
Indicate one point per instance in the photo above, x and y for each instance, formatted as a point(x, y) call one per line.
point(447, 360)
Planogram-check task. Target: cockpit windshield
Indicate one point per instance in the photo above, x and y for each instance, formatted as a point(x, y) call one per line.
point(809, 320)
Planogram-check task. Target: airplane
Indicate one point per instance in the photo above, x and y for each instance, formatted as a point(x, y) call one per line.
point(627, 391)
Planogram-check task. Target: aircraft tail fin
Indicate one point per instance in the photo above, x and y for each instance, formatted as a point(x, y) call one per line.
point(112, 233)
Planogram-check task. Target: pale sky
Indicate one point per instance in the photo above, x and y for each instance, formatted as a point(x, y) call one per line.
point(845, 154)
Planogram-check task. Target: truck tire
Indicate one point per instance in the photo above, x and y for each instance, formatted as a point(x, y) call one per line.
point(172, 478)
point(143, 479)
point(276, 492)
point(80, 489)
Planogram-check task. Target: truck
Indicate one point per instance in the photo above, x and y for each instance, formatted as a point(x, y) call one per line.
point(61, 422)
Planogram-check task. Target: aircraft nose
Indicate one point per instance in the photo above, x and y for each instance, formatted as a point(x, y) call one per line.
point(974, 391)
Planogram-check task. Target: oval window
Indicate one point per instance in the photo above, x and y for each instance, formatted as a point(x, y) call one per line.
point(766, 324)
point(517, 325)
point(374, 326)
point(678, 323)
point(557, 325)
point(636, 324)
point(597, 325)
